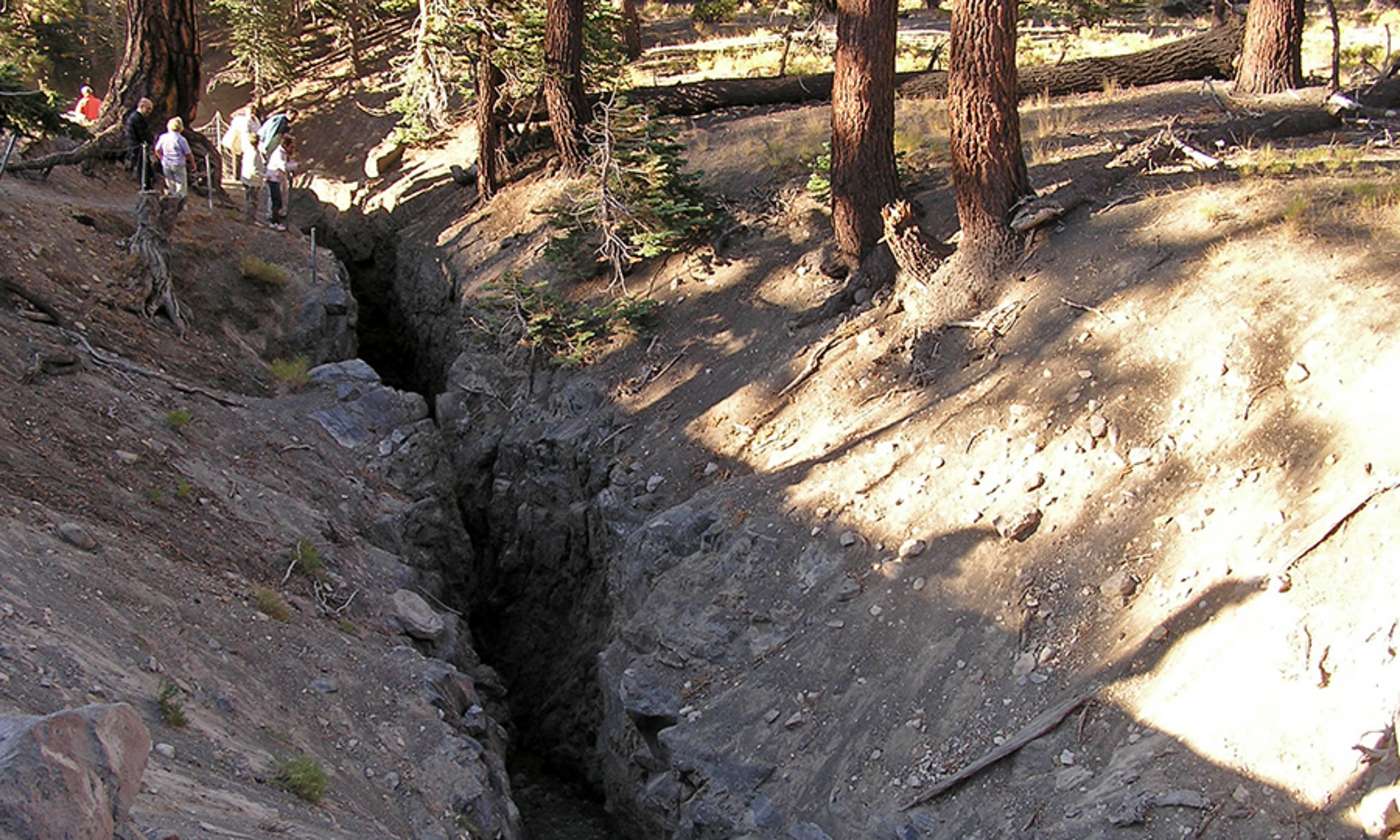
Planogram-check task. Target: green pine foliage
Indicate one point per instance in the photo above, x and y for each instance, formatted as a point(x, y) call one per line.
point(570, 333)
point(33, 113)
point(262, 34)
point(639, 201)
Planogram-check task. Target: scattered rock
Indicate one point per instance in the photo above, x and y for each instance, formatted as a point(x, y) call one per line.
point(711, 468)
point(654, 482)
point(166, 750)
point(73, 773)
point(1119, 586)
point(912, 548)
point(847, 589)
point(1017, 525)
point(322, 685)
point(1159, 634)
point(1025, 663)
point(415, 618)
point(1297, 373)
point(795, 720)
point(76, 535)
point(771, 716)
point(1034, 481)
point(875, 609)
point(1067, 758)
point(1139, 455)
point(848, 539)
point(125, 457)
point(919, 584)
point(1098, 425)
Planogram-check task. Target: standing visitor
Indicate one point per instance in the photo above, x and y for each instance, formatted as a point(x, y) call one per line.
point(89, 106)
point(174, 152)
point(279, 167)
point(138, 138)
point(271, 134)
point(241, 141)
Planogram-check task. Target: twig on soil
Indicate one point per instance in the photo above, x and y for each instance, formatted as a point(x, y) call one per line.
point(288, 576)
point(814, 361)
point(614, 433)
point(108, 359)
point(293, 446)
point(1087, 308)
point(1043, 723)
point(1338, 522)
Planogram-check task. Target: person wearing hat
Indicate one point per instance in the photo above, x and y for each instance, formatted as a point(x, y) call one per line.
point(174, 150)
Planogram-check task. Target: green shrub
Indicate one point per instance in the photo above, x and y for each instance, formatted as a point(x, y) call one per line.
point(178, 418)
point(638, 201)
point(570, 332)
point(714, 11)
point(306, 559)
point(303, 777)
point(292, 374)
point(184, 490)
point(260, 271)
point(172, 708)
point(270, 604)
point(29, 112)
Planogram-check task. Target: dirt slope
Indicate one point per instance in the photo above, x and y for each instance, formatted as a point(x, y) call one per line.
point(814, 609)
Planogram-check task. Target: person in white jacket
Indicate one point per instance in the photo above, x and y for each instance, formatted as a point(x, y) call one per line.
point(241, 141)
point(280, 165)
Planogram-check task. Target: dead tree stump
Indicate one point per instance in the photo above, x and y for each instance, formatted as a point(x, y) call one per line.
point(150, 245)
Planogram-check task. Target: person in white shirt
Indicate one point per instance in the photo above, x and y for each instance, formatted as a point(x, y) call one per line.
point(174, 150)
point(280, 165)
point(241, 141)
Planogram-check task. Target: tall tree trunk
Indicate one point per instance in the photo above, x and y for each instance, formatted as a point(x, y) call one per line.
point(989, 172)
point(160, 62)
point(631, 27)
point(1272, 58)
point(863, 176)
point(488, 126)
point(564, 97)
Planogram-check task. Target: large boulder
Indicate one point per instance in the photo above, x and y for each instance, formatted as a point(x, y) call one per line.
point(415, 618)
point(71, 775)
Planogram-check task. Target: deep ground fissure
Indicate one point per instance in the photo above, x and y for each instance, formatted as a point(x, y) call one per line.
point(559, 797)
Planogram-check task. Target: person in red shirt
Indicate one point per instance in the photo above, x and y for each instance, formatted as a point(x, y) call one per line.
point(88, 106)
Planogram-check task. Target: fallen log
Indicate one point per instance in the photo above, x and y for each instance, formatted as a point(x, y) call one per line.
point(1210, 54)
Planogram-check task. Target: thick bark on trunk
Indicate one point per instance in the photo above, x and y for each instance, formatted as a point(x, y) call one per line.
point(1208, 54)
point(989, 172)
point(631, 27)
point(563, 79)
point(1272, 58)
point(489, 158)
point(862, 124)
point(161, 62)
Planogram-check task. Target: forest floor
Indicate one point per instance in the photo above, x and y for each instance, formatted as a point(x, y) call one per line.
point(1191, 382)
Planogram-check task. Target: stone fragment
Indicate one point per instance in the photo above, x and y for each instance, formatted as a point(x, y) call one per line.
point(76, 535)
point(1297, 373)
point(73, 773)
point(415, 618)
point(1098, 425)
point(1019, 524)
point(912, 548)
point(654, 482)
point(165, 750)
point(1119, 586)
point(848, 538)
point(1025, 663)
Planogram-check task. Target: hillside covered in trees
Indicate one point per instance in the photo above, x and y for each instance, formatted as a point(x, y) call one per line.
point(564, 419)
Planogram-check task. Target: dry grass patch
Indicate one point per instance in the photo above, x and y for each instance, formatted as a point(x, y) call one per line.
point(291, 374)
point(260, 271)
point(271, 604)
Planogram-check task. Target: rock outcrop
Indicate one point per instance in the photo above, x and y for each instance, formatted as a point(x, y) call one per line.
point(71, 775)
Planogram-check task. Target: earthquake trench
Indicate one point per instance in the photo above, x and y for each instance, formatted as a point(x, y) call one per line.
point(536, 595)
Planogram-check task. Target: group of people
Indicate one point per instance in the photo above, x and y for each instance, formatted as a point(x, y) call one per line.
point(265, 151)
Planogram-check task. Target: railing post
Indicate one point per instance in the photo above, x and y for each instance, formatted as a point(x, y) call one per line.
point(9, 147)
